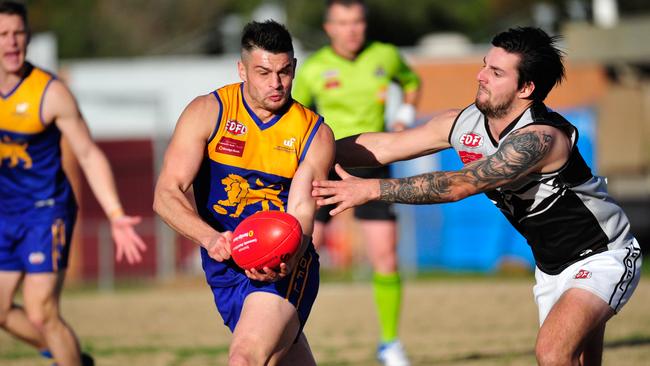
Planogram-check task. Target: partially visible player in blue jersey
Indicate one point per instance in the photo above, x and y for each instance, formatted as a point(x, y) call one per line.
point(249, 147)
point(37, 206)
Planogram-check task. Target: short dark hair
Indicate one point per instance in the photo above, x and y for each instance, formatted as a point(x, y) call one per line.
point(541, 59)
point(14, 8)
point(346, 3)
point(268, 35)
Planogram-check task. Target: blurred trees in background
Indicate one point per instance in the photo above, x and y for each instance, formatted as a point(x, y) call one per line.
point(117, 28)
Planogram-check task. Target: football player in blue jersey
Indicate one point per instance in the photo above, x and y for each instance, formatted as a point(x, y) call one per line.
point(244, 148)
point(37, 205)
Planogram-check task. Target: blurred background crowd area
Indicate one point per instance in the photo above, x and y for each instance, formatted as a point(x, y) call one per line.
point(134, 65)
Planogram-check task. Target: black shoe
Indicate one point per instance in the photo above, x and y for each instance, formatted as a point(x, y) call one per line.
point(87, 360)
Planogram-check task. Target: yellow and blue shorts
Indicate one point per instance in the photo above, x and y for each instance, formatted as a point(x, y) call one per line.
point(36, 246)
point(299, 288)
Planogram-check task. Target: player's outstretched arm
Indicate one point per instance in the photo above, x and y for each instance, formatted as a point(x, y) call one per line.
point(60, 106)
point(180, 165)
point(315, 166)
point(381, 148)
point(532, 149)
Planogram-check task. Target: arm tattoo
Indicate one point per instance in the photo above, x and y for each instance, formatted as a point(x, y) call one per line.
point(516, 156)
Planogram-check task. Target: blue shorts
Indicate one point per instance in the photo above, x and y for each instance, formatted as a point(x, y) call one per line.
point(36, 247)
point(299, 288)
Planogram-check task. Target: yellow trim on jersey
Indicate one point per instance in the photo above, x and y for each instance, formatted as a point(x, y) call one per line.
point(20, 112)
point(58, 240)
point(304, 282)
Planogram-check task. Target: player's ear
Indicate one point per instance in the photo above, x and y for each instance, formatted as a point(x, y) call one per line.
point(327, 27)
point(241, 69)
point(527, 90)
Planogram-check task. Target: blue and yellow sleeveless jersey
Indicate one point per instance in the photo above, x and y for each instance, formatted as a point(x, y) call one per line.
point(248, 167)
point(33, 185)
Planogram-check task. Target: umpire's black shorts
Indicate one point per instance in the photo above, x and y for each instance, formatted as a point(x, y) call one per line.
point(373, 210)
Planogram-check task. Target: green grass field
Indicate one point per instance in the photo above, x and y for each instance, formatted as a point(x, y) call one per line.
point(447, 320)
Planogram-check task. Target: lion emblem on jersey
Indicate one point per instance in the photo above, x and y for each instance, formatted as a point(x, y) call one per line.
point(241, 194)
point(15, 152)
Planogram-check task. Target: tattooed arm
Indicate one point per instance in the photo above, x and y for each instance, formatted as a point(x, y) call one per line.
point(531, 149)
point(519, 154)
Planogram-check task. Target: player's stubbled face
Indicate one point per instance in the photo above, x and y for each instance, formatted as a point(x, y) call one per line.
point(268, 76)
point(497, 82)
point(13, 42)
point(346, 27)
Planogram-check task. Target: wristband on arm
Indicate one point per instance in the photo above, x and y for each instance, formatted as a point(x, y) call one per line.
point(116, 213)
point(405, 114)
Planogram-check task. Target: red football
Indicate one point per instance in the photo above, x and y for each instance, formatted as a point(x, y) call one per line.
point(265, 239)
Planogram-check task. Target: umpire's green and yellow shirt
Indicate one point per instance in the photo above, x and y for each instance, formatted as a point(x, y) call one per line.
point(351, 94)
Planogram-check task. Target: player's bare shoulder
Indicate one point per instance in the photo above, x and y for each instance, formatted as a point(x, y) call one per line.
point(444, 118)
point(203, 106)
point(441, 122)
point(551, 143)
point(325, 134)
point(324, 144)
point(322, 149)
point(433, 135)
point(58, 101)
point(200, 115)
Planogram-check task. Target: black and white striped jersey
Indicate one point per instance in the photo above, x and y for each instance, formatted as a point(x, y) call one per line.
point(565, 215)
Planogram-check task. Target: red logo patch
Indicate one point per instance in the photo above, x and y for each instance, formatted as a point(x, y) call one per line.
point(235, 127)
point(582, 274)
point(468, 157)
point(332, 83)
point(471, 140)
point(230, 146)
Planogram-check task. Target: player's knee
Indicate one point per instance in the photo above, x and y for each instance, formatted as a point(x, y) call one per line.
point(548, 354)
point(551, 359)
point(37, 318)
point(242, 358)
point(42, 318)
point(238, 359)
point(242, 354)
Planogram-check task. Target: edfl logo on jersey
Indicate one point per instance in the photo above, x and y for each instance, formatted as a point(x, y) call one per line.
point(235, 127)
point(582, 274)
point(471, 140)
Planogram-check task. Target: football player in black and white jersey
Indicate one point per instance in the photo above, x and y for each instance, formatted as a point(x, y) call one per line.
point(524, 157)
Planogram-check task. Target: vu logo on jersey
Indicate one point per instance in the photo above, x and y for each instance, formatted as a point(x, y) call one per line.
point(21, 108)
point(240, 194)
point(14, 152)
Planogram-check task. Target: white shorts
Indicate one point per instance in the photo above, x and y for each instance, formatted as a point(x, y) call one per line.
point(612, 275)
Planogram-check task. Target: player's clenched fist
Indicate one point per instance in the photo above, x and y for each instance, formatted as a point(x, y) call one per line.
point(219, 246)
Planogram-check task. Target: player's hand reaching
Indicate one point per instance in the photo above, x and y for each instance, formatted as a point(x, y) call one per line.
point(127, 241)
point(349, 192)
point(219, 246)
